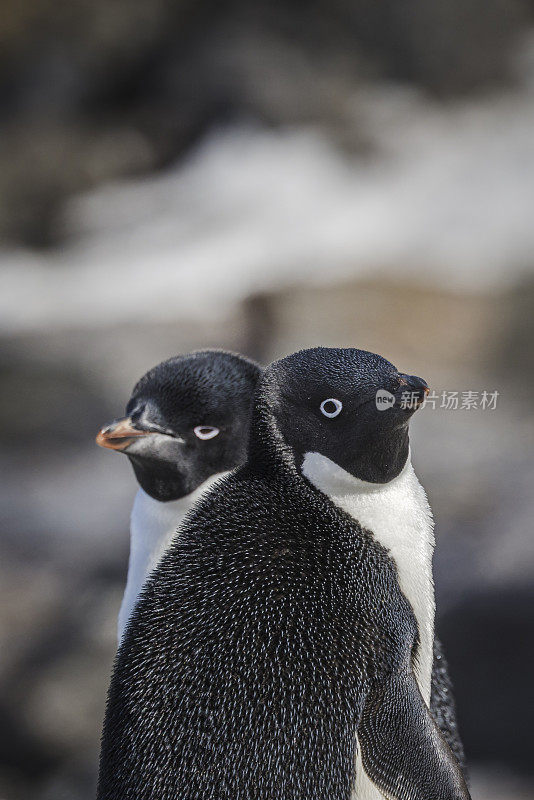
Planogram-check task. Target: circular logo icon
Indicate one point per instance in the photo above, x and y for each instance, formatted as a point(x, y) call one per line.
point(384, 399)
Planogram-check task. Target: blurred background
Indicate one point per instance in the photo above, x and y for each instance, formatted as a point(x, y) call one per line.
point(260, 177)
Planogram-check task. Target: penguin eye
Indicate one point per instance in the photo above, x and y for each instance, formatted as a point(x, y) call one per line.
point(331, 407)
point(205, 431)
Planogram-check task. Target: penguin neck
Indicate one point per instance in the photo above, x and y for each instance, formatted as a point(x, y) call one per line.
point(162, 480)
point(268, 452)
point(153, 525)
point(152, 520)
point(398, 516)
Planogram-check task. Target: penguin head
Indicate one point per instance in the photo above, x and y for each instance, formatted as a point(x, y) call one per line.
point(187, 419)
point(349, 405)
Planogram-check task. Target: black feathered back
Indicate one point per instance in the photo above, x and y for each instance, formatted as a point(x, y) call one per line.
point(245, 666)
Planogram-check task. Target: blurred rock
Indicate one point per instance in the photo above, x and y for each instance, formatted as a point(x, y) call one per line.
point(490, 648)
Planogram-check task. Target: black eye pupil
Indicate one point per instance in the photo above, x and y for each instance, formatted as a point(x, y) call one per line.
point(330, 407)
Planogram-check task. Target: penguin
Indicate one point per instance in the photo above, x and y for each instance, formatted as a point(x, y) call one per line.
point(186, 426)
point(283, 646)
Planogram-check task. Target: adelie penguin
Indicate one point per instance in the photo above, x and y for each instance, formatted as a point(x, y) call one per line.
point(283, 647)
point(186, 425)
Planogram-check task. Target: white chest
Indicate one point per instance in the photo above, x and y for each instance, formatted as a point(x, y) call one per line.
point(399, 517)
point(153, 526)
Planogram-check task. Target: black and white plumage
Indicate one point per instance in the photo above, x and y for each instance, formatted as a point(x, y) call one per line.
point(273, 649)
point(186, 425)
point(443, 706)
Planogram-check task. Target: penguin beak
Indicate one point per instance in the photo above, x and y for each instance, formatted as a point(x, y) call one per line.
point(417, 387)
point(119, 434)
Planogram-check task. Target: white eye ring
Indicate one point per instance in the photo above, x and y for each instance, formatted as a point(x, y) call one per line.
point(338, 406)
point(206, 431)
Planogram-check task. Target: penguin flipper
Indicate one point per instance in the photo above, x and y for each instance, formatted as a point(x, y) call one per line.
point(402, 750)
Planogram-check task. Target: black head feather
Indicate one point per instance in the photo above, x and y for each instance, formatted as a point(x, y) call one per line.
point(209, 389)
point(325, 400)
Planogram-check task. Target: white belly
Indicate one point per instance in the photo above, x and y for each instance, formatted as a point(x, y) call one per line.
point(399, 517)
point(153, 526)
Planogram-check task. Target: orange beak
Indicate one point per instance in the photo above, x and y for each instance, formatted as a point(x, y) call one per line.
point(118, 435)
